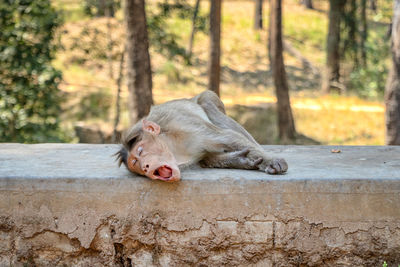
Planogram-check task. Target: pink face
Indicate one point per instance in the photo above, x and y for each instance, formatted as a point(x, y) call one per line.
point(151, 157)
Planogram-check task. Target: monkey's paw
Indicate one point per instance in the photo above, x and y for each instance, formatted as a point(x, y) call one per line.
point(277, 166)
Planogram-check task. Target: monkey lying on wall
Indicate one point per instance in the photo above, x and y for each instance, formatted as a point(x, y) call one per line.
point(188, 131)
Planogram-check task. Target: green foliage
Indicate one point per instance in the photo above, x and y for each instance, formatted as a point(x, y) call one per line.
point(365, 51)
point(90, 43)
point(369, 81)
point(99, 7)
point(165, 41)
point(350, 33)
point(95, 105)
point(309, 36)
point(171, 71)
point(29, 95)
point(72, 10)
point(386, 265)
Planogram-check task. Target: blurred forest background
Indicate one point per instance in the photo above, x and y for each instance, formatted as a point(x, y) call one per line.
point(73, 70)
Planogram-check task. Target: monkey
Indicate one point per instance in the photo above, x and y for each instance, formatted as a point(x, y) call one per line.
point(184, 132)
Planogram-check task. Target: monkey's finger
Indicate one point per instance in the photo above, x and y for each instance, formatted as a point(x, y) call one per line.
point(283, 164)
point(244, 152)
point(271, 170)
point(258, 161)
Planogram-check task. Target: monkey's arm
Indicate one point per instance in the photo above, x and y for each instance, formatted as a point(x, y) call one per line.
point(234, 138)
point(234, 159)
point(233, 141)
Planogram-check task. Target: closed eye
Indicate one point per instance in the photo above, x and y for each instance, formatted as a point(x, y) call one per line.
point(134, 161)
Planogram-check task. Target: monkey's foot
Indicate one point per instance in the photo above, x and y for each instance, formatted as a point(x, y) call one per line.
point(277, 166)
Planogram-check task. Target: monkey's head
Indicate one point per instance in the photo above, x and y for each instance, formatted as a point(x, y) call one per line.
point(145, 152)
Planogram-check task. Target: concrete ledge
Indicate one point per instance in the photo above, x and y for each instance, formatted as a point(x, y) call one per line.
point(64, 204)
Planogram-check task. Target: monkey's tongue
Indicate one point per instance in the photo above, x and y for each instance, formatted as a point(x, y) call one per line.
point(165, 172)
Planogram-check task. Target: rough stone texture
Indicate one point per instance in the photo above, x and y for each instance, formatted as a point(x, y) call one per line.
point(70, 205)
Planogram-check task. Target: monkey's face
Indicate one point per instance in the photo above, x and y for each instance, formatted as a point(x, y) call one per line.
point(151, 156)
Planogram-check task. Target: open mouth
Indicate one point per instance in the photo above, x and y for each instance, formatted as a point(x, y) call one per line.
point(163, 173)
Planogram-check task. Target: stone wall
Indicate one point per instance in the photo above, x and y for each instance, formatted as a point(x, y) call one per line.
point(70, 205)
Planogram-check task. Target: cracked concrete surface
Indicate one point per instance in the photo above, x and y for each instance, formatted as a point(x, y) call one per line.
point(69, 205)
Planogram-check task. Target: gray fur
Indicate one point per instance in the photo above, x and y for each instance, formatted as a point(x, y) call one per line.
point(197, 130)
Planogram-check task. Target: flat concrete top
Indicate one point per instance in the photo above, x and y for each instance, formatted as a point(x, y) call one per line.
point(88, 161)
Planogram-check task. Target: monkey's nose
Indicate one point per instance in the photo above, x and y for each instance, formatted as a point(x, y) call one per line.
point(146, 168)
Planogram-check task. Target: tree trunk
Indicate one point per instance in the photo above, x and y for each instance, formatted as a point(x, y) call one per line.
point(332, 73)
point(214, 67)
point(138, 61)
point(308, 4)
point(109, 43)
point(258, 15)
point(373, 5)
point(102, 6)
point(350, 43)
point(285, 116)
point(392, 92)
point(190, 47)
point(364, 32)
point(115, 136)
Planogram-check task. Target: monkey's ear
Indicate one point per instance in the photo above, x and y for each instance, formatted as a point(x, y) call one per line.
point(151, 127)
